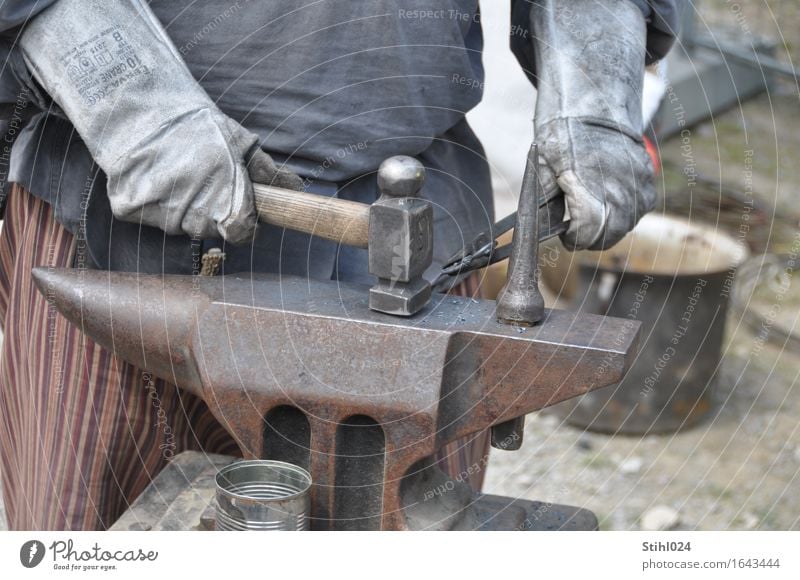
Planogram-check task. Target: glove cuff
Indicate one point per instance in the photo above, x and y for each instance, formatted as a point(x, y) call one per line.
point(557, 127)
point(112, 69)
point(590, 58)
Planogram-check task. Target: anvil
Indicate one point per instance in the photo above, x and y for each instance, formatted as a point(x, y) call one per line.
point(303, 371)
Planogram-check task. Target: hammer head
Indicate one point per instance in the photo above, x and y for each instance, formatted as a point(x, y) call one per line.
point(400, 239)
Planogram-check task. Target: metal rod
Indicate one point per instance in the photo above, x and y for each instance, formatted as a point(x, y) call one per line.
point(520, 302)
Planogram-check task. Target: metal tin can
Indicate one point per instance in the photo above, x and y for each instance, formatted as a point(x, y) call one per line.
point(263, 495)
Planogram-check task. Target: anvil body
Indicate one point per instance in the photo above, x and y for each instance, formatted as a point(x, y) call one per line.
point(303, 371)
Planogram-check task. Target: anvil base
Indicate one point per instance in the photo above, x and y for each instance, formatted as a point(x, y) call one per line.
point(181, 497)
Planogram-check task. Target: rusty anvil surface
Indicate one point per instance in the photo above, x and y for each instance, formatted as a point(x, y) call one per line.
point(303, 371)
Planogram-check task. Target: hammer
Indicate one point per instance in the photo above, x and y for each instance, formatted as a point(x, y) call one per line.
point(396, 230)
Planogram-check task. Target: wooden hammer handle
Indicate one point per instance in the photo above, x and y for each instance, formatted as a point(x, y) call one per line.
point(339, 220)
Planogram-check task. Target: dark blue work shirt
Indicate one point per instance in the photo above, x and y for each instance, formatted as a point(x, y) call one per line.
point(332, 87)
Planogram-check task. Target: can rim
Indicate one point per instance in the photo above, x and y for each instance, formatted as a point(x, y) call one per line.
point(307, 481)
point(658, 228)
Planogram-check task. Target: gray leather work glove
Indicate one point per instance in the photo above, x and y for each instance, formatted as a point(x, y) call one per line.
point(590, 57)
point(172, 158)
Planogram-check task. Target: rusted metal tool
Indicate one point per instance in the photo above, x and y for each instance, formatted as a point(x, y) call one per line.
point(304, 372)
point(520, 302)
point(396, 230)
point(400, 239)
point(485, 250)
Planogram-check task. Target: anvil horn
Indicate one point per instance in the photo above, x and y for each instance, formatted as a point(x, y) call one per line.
point(144, 320)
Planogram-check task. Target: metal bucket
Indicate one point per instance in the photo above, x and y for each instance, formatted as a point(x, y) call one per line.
point(675, 277)
point(263, 495)
point(766, 298)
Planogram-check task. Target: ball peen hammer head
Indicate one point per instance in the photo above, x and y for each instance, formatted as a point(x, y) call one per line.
point(400, 239)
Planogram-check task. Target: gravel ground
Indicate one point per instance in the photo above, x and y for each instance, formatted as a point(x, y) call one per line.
point(737, 471)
